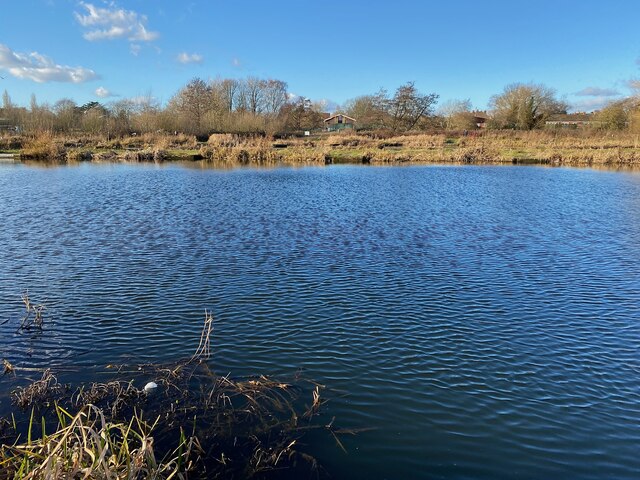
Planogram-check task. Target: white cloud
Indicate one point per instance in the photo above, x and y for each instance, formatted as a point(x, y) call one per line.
point(41, 69)
point(112, 23)
point(104, 93)
point(186, 58)
point(236, 62)
point(135, 48)
point(598, 92)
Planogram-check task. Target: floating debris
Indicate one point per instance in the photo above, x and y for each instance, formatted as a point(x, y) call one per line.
point(150, 387)
point(7, 367)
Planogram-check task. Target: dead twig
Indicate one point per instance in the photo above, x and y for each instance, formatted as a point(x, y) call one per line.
point(203, 352)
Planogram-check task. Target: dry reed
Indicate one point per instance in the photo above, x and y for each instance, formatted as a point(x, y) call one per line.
point(33, 319)
point(240, 428)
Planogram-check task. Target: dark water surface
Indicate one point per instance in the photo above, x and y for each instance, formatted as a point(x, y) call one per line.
point(485, 320)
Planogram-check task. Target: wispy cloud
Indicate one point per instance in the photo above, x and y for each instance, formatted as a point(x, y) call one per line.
point(144, 100)
point(113, 23)
point(104, 93)
point(327, 105)
point(597, 92)
point(186, 58)
point(236, 62)
point(590, 104)
point(41, 69)
point(633, 84)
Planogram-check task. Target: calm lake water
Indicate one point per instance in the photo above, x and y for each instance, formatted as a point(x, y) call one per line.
point(484, 320)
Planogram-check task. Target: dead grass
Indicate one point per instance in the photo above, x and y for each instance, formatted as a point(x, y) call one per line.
point(237, 428)
point(87, 445)
point(554, 147)
point(43, 392)
point(11, 142)
point(44, 146)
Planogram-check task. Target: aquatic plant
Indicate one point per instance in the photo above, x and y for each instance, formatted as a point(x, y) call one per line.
point(33, 319)
point(238, 427)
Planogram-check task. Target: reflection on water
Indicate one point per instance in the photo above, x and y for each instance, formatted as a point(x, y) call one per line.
point(483, 319)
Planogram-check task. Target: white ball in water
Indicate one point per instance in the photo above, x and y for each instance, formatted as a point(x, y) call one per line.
point(151, 386)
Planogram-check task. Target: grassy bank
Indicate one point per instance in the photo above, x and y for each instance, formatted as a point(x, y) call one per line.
point(576, 148)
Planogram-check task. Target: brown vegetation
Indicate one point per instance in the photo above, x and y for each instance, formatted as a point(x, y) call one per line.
point(196, 424)
point(553, 147)
point(256, 121)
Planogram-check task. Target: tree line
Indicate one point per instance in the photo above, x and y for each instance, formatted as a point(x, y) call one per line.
point(265, 106)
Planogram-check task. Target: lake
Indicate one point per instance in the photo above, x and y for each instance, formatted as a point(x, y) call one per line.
point(483, 320)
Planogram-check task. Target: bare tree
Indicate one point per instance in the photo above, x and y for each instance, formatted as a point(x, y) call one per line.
point(302, 114)
point(254, 90)
point(228, 92)
point(39, 118)
point(525, 106)
point(9, 110)
point(402, 112)
point(369, 110)
point(148, 114)
point(6, 101)
point(191, 104)
point(408, 107)
point(619, 115)
point(67, 116)
point(121, 114)
point(275, 96)
point(457, 114)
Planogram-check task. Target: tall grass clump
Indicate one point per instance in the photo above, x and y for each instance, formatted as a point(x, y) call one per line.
point(43, 146)
point(237, 150)
point(87, 445)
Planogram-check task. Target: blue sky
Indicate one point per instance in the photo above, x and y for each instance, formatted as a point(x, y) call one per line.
point(107, 50)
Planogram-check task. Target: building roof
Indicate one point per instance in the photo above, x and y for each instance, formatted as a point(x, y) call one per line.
point(339, 115)
point(480, 114)
point(571, 117)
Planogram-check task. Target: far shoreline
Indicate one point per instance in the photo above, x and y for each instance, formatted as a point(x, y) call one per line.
point(500, 147)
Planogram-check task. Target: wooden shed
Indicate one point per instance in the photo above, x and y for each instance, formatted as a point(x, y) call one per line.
point(339, 122)
point(480, 118)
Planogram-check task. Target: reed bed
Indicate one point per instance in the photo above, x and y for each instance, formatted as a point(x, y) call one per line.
point(45, 146)
point(189, 423)
point(554, 147)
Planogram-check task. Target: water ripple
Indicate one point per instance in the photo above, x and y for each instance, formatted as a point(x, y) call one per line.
point(484, 320)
